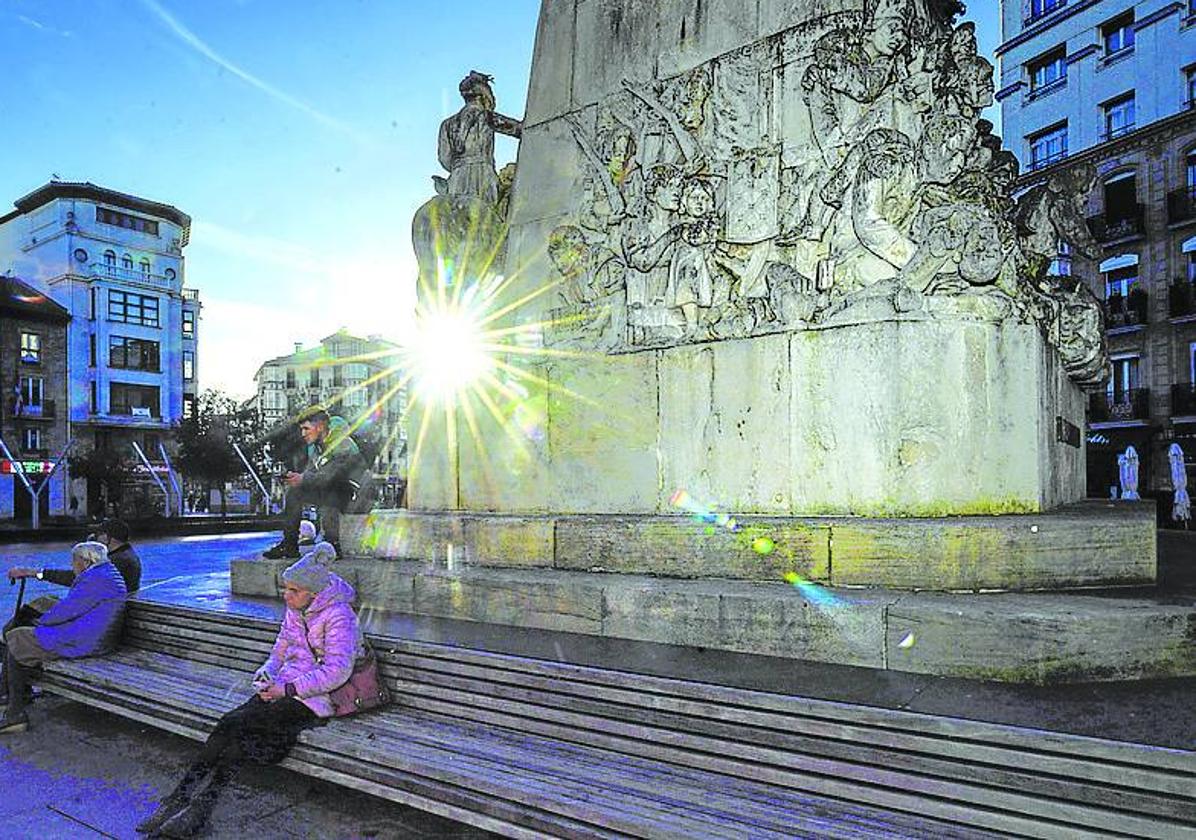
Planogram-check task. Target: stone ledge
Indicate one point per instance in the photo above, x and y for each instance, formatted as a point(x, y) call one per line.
point(1011, 637)
point(1090, 544)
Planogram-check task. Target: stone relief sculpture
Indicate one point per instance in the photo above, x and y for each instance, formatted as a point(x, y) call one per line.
point(837, 172)
point(462, 230)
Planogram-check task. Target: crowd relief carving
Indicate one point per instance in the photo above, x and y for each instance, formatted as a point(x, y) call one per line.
point(835, 173)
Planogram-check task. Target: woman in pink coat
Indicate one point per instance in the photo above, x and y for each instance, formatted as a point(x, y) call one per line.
point(317, 645)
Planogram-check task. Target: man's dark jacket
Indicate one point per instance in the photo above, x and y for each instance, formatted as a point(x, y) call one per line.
point(125, 560)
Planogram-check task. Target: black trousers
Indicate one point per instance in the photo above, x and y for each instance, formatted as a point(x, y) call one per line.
point(330, 503)
point(257, 732)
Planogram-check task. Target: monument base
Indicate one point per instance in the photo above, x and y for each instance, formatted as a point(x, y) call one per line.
point(1013, 637)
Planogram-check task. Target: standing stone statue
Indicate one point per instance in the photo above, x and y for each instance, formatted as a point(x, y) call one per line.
point(1128, 467)
point(461, 232)
point(1181, 508)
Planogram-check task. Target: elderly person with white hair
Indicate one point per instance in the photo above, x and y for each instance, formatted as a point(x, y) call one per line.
point(87, 622)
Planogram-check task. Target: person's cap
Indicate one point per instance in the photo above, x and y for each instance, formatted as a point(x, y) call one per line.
point(115, 528)
point(308, 573)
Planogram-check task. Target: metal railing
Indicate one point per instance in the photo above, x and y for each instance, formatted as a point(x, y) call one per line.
point(1044, 9)
point(46, 410)
point(1044, 162)
point(1133, 404)
point(1120, 131)
point(1109, 227)
point(118, 272)
point(1131, 311)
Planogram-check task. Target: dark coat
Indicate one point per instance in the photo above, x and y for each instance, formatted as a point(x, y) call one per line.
point(88, 620)
point(124, 558)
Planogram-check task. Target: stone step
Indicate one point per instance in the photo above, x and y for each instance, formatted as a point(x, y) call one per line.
point(1015, 637)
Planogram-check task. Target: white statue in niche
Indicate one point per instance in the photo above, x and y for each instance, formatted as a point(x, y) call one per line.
point(1128, 466)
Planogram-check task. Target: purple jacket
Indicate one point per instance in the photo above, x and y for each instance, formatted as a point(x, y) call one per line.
point(88, 620)
point(316, 649)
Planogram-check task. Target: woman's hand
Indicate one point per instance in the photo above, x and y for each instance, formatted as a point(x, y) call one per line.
point(272, 692)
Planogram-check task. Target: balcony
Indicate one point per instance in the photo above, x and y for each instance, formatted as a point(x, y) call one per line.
point(1125, 312)
point(190, 294)
point(132, 275)
point(1119, 131)
point(1183, 399)
point(1125, 224)
point(1047, 160)
point(1181, 298)
point(1125, 407)
point(1181, 206)
point(45, 411)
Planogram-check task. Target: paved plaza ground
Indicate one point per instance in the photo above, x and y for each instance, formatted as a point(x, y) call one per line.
point(84, 773)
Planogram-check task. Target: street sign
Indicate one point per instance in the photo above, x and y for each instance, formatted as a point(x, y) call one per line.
point(8, 467)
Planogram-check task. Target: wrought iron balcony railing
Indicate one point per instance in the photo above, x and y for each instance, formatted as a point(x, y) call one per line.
point(46, 410)
point(1183, 399)
point(1131, 311)
point(1133, 404)
point(1109, 227)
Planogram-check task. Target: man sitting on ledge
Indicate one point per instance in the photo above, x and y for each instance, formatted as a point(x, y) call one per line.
point(329, 482)
point(87, 622)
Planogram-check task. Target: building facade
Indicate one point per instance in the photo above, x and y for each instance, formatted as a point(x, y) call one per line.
point(33, 400)
point(115, 263)
point(1108, 86)
point(354, 377)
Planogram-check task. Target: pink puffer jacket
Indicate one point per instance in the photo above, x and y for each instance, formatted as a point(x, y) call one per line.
point(316, 649)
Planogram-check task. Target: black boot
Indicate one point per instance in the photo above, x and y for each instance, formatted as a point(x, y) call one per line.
point(194, 818)
point(176, 800)
point(284, 549)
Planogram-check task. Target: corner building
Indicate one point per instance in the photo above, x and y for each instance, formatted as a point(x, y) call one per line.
point(115, 263)
point(1112, 84)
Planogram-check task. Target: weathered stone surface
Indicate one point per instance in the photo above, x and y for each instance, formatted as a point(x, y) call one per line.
point(546, 191)
point(432, 467)
point(1041, 638)
point(255, 577)
point(550, 91)
point(725, 425)
point(762, 548)
point(958, 430)
point(807, 622)
point(384, 586)
point(508, 597)
point(405, 535)
point(662, 611)
point(510, 541)
point(614, 40)
point(695, 31)
point(602, 434)
point(1089, 544)
point(778, 15)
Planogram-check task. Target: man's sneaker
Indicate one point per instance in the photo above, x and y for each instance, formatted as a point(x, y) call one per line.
point(15, 725)
point(283, 550)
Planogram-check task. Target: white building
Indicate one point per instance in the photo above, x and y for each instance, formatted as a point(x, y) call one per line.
point(354, 377)
point(115, 262)
point(1111, 84)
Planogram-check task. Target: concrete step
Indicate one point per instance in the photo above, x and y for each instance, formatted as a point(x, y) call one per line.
point(1013, 637)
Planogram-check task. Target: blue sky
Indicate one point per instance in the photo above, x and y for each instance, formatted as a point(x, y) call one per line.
point(299, 137)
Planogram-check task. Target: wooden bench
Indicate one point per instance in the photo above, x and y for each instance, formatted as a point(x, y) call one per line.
point(531, 747)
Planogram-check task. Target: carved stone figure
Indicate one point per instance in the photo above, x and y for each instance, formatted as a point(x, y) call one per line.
point(835, 173)
point(461, 232)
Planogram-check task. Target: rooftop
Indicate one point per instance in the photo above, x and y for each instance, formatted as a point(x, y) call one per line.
point(19, 298)
point(86, 190)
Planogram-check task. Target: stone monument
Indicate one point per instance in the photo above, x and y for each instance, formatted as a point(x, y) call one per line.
point(788, 350)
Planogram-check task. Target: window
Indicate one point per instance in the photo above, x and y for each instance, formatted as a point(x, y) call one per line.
point(1192, 361)
point(31, 439)
point(1190, 86)
point(137, 400)
point(313, 378)
point(133, 353)
point(188, 406)
point(1121, 197)
point(126, 220)
point(1121, 282)
point(31, 348)
point(95, 400)
point(290, 378)
point(1048, 146)
point(338, 377)
point(130, 308)
point(1061, 265)
point(188, 365)
point(1125, 379)
point(126, 262)
point(145, 267)
point(94, 306)
point(110, 258)
point(91, 355)
point(32, 388)
point(1191, 266)
point(1048, 71)
point(188, 323)
point(1118, 35)
point(1119, 116)
point(1039, 8)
